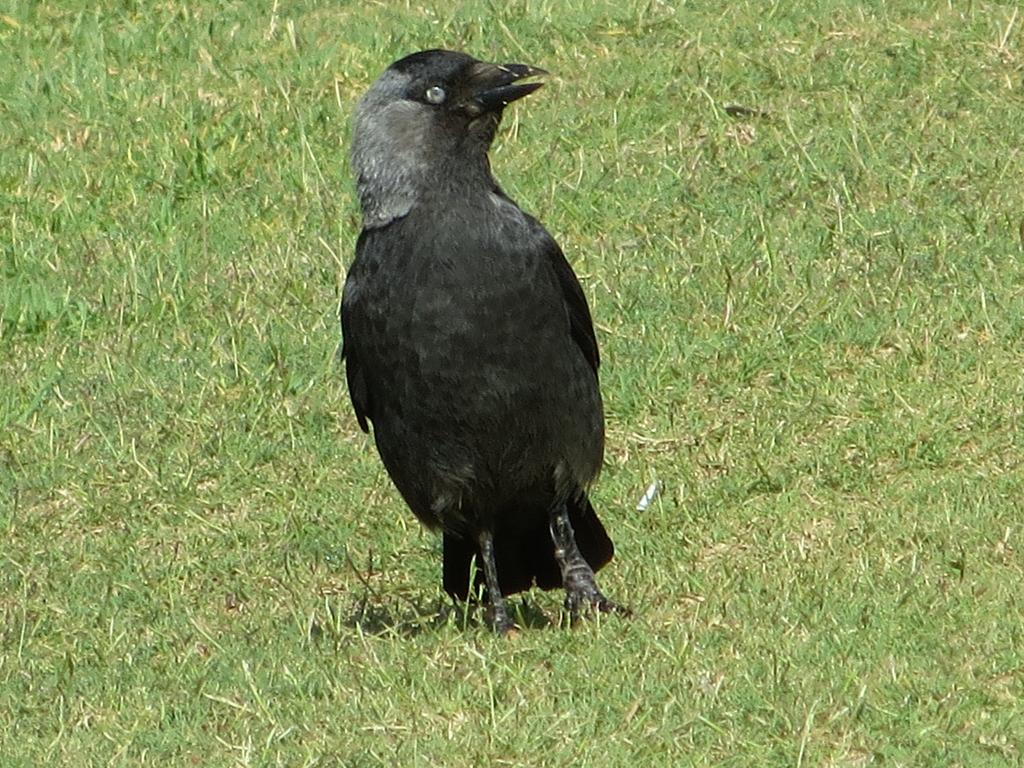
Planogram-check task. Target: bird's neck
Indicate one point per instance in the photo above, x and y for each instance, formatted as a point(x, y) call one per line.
point(389, 193)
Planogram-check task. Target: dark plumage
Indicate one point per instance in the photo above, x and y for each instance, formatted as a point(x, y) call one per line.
point(468, 341)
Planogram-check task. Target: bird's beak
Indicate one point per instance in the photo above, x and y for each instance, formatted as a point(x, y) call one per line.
point(497, 85)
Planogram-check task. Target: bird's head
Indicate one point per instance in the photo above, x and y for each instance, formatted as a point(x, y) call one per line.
point(428, 121)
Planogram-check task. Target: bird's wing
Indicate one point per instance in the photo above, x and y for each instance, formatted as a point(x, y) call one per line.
point(349, 314)
point(581, 324)
point(580, 321)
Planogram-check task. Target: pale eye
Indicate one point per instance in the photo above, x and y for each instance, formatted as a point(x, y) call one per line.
point(435, 94)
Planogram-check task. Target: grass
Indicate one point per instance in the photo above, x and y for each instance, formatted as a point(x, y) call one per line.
point(801, 230)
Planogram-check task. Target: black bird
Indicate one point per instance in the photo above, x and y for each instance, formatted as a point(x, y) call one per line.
point(468, 341)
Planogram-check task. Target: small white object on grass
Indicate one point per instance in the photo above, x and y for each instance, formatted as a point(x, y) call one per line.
point(648, 497)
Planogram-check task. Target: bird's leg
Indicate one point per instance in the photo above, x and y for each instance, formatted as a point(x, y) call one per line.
point(581, 590)
point(497, 610)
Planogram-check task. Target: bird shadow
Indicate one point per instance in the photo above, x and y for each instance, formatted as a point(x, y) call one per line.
point(372, 611)
point(412, 616)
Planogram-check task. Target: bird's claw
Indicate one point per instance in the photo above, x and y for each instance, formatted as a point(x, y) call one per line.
point(583, 602)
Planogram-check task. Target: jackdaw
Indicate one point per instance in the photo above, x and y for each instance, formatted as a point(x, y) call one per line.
point(468, 341)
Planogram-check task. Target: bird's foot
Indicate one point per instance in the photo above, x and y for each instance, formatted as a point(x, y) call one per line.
point(578, 604)
point(500, 621)
point(581, 592)
point(497, 609)
point(582, 595)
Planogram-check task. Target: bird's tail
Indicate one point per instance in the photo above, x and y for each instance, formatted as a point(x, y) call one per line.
point(526, 556)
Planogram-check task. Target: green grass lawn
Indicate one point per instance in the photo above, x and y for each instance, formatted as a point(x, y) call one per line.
point(801, 230)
